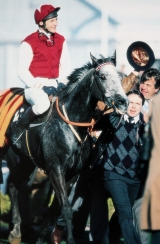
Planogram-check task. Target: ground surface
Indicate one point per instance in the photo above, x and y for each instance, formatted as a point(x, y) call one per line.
point(30, 238)
point(4, 233)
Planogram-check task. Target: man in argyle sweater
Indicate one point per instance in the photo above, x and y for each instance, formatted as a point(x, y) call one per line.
point(119, 143)
point(122, 154)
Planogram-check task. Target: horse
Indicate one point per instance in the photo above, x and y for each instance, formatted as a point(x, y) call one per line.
point(58, 141)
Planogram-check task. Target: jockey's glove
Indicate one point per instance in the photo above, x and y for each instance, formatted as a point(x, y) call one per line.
point(50, 90)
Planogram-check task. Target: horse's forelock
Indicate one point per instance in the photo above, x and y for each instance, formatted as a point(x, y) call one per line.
point(109, 71)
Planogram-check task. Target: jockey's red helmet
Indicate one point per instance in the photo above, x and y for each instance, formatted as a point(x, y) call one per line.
point(45, 12)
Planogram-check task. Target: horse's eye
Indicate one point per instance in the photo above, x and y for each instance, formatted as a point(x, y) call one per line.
point(103, 77)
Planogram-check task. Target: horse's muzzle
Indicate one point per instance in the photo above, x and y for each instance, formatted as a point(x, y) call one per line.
point(121, 103)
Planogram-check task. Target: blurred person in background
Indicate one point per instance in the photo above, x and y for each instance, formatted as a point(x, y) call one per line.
point(150, 209)
point(43, 60)
point(149, 87)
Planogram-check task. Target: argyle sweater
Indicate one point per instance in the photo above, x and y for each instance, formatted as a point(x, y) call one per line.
point(122, 154)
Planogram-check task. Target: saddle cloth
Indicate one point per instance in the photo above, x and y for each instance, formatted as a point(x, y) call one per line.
point(10, 100)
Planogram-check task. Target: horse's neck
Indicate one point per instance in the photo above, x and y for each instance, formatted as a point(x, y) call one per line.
point(79, 109)
point(80, 105)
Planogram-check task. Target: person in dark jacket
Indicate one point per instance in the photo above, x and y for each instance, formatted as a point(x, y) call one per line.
point(118, 150)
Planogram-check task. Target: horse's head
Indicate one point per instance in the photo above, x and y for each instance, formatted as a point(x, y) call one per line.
point(108, 86)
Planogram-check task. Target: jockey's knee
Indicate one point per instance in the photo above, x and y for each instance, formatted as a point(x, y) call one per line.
point(42, 107)
point(38, 98)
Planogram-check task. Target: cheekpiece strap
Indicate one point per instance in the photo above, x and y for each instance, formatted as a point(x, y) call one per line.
point(99, 66)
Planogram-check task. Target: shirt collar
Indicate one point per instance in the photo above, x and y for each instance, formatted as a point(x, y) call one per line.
point(136, 119)
point(146, 104)
point(45, 33)
point(149, 100)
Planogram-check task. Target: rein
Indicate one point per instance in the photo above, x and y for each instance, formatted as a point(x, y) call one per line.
point(71, 122)
point(74, 131)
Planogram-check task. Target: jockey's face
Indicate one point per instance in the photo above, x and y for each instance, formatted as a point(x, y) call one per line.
point(51, 24)
point(147, 88)
point(135, 105)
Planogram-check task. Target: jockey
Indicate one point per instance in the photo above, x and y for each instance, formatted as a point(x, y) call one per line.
point(43, 58)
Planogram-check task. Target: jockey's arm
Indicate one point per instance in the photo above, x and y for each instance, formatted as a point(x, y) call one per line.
point(25, 59)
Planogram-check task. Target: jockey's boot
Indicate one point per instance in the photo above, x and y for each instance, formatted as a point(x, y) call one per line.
point(20, 126)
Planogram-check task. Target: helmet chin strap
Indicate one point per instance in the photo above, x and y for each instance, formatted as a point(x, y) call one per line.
point(44, 28)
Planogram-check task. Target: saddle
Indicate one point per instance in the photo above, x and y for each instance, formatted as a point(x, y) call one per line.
point(10, 100)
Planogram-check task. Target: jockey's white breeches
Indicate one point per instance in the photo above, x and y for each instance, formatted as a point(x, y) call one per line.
point(38, 99)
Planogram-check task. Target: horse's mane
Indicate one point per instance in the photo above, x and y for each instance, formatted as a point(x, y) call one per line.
point(73, 80)
point(75, 77)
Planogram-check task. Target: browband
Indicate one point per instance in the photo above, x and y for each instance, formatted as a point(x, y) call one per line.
point(99, 66)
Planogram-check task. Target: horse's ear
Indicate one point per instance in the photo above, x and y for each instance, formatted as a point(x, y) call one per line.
point(94, 60)
point(114, 57)
point(103, 58)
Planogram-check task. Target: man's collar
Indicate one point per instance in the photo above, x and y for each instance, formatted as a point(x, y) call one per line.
point(45, 33)
point(148, 101)
point(135, 119)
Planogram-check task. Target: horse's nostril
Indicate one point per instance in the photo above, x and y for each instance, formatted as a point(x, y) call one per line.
point(121, 101)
